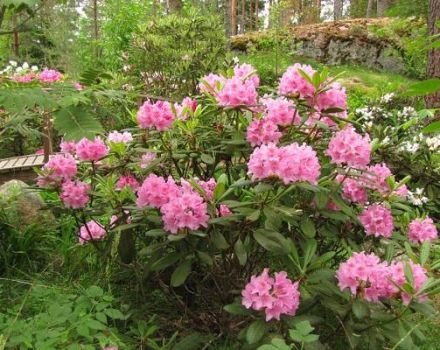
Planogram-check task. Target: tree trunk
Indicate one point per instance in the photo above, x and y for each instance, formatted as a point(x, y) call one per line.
point(370, 8)
point(233, 17)
point(227, 10)
point(95, 26)
point(338, 9)
point(256, 14)
point(382, 6)
point(243, 16)
point(433, 69)
point(318, 10)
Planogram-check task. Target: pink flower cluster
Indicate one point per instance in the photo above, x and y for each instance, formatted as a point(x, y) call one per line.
point(158, 115)
point(120, 137)
point(352, 190)
point(280, 111)
point(348, 147)
point(50, 76)
point(293, 83)
point(75, 195)
point(377, 221)
point(290, 163)
point(420, 230)
point(62, 165)
point(186, 108)
point(68, 147)
point(224, 210)
point(91, 231)
point(247, 72)
point(89, 150)
point(127, 181)
point(365, 275)
point(276, 295)
point(211, 84)
point(146, 159)
point(262, 131)
point(181, 206)
point(26, 78)
point(334, 97)
point(237, 92)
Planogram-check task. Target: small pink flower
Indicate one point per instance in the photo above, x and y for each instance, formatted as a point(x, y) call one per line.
point(75, 195)
point(26, 78)
point(224, 210)
point(236, 92)
point(39, 151)
point(118, 137)
point(91, 150)
point(276, 296)
point(62, 165)
point(262, 131)
point(422, 230)
point(247, 72)
point(50, 76)
point(127, 181)
point(155, 115)
point(146, 159)
point(334, 97)
point(155, 191)
point(377, 221)
point(78, 86)
point(186, 108)
point(68, 147)
point(281, 111)
point(211, 84)
point(350, 148)
point(293, 83)
point(91, 231)
point(398, 277)
point(353, 190)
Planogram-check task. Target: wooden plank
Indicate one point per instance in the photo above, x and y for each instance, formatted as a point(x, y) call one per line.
point(30, 160)
point(3, 163)
point(19, 162)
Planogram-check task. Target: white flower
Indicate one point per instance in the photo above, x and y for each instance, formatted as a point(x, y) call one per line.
point(386, 140)
point(236, 60)
point(13, 63)
point(433, 142)
point(416, 197)
point(34, 68)
point(18, 69)
point(387, 97)
point(25, 65)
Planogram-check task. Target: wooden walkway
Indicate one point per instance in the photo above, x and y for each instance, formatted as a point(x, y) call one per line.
point(20, 168)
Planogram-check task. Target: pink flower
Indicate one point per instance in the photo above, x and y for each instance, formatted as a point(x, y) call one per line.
point(247, 72)
point(39, 151)
point(158, 115)
point(75, 195)
point(211, 84)
point(402, 191)
point(348, 147)
point(156, 191)
point(78, 86)
point(91, 150)
point(26, 78)
point(63, 165)
point(375, 178)
point(422, 230)
point(365, 274)
point(186, 108)
point(50, 76)
point(281, 111)
point(146, 159)
point(208, 186)
point(68, 147)
point(293, 83)
point(48, 181)
point(184, 210)
point(127, 181)
point(335, 97)
point(117, 137)
point(276, 296)
point(91, 231)
point(398, 277)
point(353, 190)
point(236, 92)
point(262, 131)
point(290, 163)
point(115, 220)
point(224, 210)
point(377, 221)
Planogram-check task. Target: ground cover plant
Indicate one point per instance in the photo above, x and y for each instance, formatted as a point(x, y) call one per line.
point(272, 219)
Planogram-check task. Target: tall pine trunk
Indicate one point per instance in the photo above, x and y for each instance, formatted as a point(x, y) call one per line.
point(256, 14)
point(382, 6)
point(243, 16)
point(233, 17)
point(338, 9)
point(433, 68)
point(370, 8)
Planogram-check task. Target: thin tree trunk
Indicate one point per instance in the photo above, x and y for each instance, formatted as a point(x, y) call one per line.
point(227, 10)
point(2, 14)
point(433, 68)
point(95, 26)
point(15, 35)
point(318, 10)
point(370, 8)
point(382, 6)
point(256, 15)
point(243, 16)
point(233, 17)
point(338, 9)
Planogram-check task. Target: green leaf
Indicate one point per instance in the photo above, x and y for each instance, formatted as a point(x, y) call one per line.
point(424, 252)
point(360, 309)
point(76, 122)
point(309, 251)
point(256, 331)
point(276, 344)
point(271, 241)
point(181, 273)
point(115, 314)
point(207, 159)
point(94, 291)
point(240, 251)
point(423, 88)
point(96, 325)
point(408, 273)
point(165, 261)
point(236, 309)
point(219, 240)
point(432, 128)
point(308, 227)
point(191, 342)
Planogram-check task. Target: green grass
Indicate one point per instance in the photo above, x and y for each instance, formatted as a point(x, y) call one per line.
point(358, 80)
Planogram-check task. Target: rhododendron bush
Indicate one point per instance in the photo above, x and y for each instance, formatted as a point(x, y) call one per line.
point(256, 213)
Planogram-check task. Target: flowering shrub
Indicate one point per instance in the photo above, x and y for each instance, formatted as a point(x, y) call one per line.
point(244, 183)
